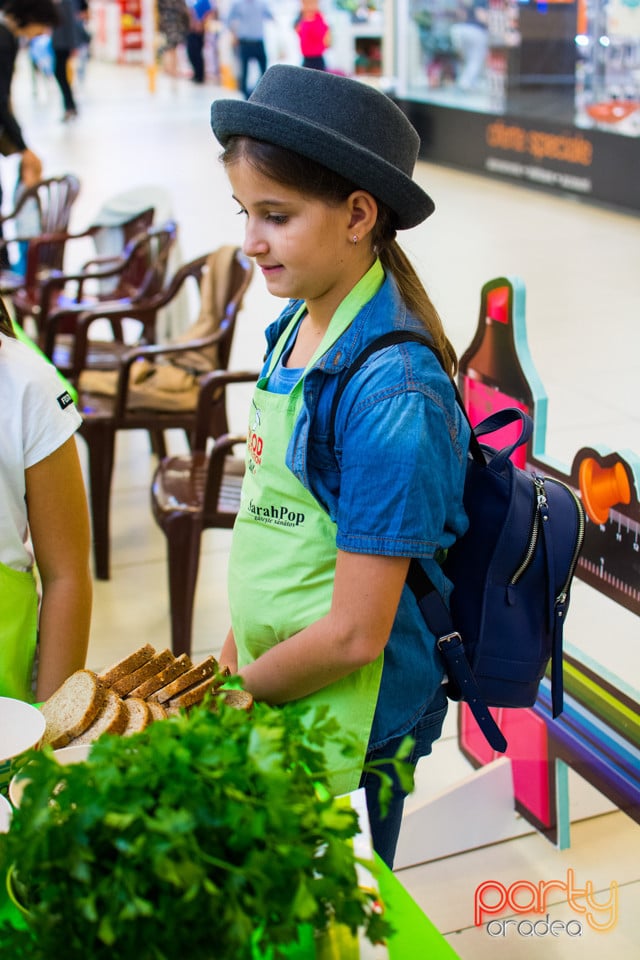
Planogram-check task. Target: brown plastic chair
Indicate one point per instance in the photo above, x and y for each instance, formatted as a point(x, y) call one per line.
point(48, 205)
point(104, 415)
point(29, 300)
point(140, 273)
point(197, 491)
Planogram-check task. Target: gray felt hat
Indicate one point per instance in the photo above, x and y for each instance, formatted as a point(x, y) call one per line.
point(346, 125)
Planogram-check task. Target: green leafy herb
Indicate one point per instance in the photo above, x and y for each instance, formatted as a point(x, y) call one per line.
point(210, 835)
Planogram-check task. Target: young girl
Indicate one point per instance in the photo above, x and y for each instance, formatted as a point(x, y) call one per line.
point(321, 168)
point(43, 514)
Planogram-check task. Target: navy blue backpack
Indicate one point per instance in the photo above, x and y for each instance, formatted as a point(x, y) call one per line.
point(511, 572)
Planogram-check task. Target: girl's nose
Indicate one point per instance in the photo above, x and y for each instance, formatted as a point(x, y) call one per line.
point(254, 243)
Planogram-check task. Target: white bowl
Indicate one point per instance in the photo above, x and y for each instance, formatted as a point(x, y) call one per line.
point(21, 728)
point(64, 755)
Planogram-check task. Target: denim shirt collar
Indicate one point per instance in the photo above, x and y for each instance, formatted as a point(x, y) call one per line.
point(385, 311)
point(370, 322)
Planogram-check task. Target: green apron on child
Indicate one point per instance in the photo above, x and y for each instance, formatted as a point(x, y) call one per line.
point(283, 559)
point(18, 631)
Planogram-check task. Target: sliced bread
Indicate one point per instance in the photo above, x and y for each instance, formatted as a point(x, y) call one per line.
point(72, 708)
point(238, 699)
point(179, 666)
point(188, 679)
point(150, 668)
point(111, 719)
point(138, 715)
point(193, 694)
point(157, 711)
point(127, 665)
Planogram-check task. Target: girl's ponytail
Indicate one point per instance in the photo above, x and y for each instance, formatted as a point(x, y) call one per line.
point(395, 261)
point(6, 326)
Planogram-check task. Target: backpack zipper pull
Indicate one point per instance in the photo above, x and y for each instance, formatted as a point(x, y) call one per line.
point(543, 503)
point(543, 511)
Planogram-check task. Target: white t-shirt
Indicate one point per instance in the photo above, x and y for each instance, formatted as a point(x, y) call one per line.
point(37, 415)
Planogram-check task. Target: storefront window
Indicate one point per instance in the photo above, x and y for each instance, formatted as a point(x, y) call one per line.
point(575, 62)
point(365, 21)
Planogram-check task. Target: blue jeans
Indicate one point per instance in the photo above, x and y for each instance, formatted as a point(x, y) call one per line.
point(385, 830)
point(250, 50)
point(62, 77)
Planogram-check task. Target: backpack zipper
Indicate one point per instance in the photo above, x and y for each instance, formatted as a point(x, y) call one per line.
point(541, 508)
point(542, 511)
point(562, 596)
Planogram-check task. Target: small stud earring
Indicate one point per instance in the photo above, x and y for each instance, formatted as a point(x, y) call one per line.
point(355, 239)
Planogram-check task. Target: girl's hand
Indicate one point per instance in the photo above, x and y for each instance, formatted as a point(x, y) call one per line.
point(30, 168)
point(229, 654)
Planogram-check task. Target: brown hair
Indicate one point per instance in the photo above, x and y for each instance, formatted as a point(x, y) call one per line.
point(6, 326)
point(311, 178)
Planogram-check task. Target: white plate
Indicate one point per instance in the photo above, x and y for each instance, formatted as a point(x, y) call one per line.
point(64, 755)
point(21, 728)
point(5, 814)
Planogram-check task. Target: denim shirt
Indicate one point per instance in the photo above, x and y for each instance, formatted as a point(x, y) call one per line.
point(392, 483)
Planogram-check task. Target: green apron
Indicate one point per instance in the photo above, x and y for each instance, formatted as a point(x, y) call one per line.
point(283, 559)
point(18, 631)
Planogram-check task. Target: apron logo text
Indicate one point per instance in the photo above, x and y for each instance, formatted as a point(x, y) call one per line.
point(279, 515)
point(255, 445)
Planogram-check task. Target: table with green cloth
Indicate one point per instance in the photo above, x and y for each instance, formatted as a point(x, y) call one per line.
point(415, 936)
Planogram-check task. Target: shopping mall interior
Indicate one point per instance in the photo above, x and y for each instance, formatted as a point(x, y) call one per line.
point(137, 134)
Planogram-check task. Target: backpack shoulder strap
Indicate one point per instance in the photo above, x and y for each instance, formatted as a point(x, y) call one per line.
point(385, 340)
point(432, 605)
point(380, 343)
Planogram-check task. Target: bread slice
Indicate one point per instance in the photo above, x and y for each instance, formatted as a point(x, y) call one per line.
point(150, 668)
point(238, 699)
point(127, 665)
point(138, 715)
point(111, 719)
point(179, 666)
point(189, 679)
point(193, 694)
point(72, 708)
point(156, 710)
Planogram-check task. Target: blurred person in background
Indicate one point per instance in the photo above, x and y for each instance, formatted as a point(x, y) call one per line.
point(314, 35)
point(173, 23)
point(470, 38)
point(65, 40)
point(19, 20)
point(246, 20)
point(84, 44)
point(200, 11)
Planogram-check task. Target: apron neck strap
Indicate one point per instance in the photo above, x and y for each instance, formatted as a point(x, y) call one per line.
point(352, 304)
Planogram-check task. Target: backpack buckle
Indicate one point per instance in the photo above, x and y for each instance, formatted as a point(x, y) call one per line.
point(453, 639)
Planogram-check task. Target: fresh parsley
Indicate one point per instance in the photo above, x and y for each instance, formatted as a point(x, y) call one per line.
point(210, 835)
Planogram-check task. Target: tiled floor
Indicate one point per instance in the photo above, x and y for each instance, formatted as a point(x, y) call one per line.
point(580, 266)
